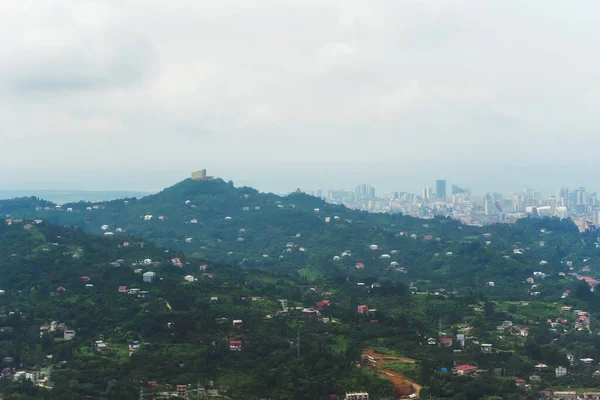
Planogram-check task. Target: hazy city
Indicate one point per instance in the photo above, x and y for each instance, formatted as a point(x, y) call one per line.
point(457, 202)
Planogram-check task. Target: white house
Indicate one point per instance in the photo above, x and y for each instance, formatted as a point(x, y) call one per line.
point(560, 371)
point(69, 334)
point(189, 278)
point(149, 276)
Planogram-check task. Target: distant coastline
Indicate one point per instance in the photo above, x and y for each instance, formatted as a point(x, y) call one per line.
point(68, 196)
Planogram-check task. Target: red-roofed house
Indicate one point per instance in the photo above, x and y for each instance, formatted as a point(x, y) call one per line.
point(360, 265)
point(520, 382)
point(122, 289)
point(524, 332)
point(428, 237)
point(363, 309)
point(60, 289)
point(176, 261)
point(235, 345)
point(464, 369)
point(85, 278)
point(322, 304)
point(446, 342)
point(590, 281)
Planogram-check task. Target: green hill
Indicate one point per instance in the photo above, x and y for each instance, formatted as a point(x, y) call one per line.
point(241, 226)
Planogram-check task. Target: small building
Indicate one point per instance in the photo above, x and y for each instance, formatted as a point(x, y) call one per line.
point(486, 348)
point(520, 382)
point(134, 346)
point(357, 396)
point(181, 390)
point(464, 369)
point(176, 261)
point(564, 395)
point(322, 304)
point(235, 345)
point(69, 334)
point(237, 323)
point(309, 311)
point(560, 371)
point(33, 376)
point(122, 289)
point(189, 278)
point(149, 276)
point(363, 309)
point(587, 361)
point(431, 341)
point(100, 345)
point(446, 342)
point(85, 278)
point(524, 332)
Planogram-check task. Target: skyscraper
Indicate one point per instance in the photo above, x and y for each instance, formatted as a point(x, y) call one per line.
point(440, 189)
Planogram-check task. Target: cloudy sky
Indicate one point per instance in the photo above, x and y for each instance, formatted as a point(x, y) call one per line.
point(279, 94)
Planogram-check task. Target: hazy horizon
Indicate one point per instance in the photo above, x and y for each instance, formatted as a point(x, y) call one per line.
point(284, 178)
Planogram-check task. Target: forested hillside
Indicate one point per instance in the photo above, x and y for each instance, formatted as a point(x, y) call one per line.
point(302, 234)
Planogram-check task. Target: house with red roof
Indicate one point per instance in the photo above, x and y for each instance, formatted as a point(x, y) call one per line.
point(446, 342)
point(235, 345)
point(176, 261)
point(363, 309)
point(85, 278)
point(60, 289)
point(122, 289)
point(309, 311)
point(322, 304)
point(520, 382)
point(464, 369)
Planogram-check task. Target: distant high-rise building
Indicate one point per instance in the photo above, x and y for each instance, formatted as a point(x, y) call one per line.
point(427, 194)
point(440, 189)
point(364, 192)
point(490, 208)
point(370, 192)
point(318, 193)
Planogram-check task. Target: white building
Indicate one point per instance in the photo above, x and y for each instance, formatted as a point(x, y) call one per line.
point(560, 371)
point(357, 396)
point(149, 276)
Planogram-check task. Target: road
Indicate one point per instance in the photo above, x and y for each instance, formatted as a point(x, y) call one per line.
point(402, 385)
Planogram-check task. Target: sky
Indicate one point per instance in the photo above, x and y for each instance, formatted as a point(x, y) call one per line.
point(280, 94)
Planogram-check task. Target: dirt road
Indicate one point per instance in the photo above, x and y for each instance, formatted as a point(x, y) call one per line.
point(402, 385)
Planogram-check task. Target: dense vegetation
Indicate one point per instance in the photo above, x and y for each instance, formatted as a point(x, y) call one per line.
point(240, 226)
point(436, 287)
